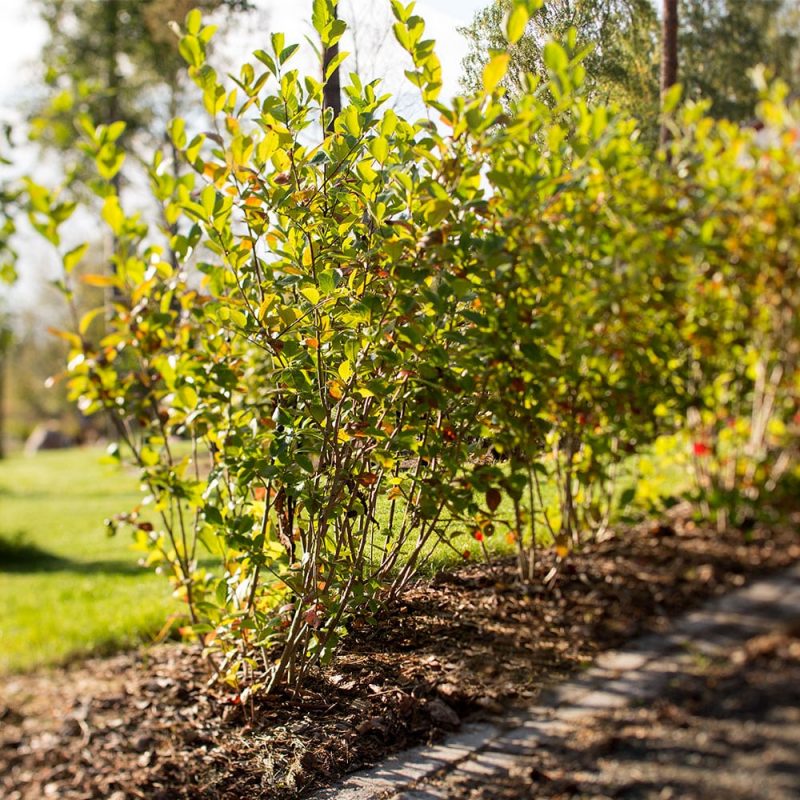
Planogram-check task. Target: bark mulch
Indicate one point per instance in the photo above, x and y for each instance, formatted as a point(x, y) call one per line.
point(466, 645)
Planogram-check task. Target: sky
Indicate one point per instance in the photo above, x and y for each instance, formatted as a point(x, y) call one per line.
point(22, 36)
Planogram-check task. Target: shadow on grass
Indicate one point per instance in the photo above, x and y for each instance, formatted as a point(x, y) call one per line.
point(46, 494)
point(17, 555)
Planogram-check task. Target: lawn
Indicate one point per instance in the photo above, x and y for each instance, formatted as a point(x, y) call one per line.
point(66, 587)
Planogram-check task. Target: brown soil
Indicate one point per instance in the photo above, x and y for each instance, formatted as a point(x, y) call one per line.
point(465, 645)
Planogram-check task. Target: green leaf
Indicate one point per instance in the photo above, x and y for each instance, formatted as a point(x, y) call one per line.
point(109, 161)
point(74, 256)
point(194, 20)
point(335, 63)
point(345, 370)
point(278, 43)
point(191, 51)
point(402, 12)
point(379, 148)
point(555, 57)
point(672, 98)
point(495, 71)
point(89, 317)
point(177, 132)
point(516, 23)
point(115, 130)
point(112, 214)
point(287, 53)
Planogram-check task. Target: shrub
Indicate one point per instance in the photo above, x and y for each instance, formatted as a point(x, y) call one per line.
point(743, 298)
point(312, 355)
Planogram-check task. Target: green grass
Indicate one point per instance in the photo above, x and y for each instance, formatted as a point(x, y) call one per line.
point(66, 587)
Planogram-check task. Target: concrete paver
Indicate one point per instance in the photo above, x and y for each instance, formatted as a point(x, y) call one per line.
point(617, 680)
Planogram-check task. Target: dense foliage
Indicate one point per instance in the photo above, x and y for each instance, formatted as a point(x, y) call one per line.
point(397, 336)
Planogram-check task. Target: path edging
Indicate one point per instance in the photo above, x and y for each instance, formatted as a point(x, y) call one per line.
point(617, 679)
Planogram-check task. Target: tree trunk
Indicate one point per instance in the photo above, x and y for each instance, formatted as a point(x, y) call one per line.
point(669, 55)
point(5, 350)
point(332, 91)
point(2, 405)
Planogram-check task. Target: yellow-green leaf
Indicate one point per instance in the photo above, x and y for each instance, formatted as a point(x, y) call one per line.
point(495, 71)
point(345, 370)
point(112, 213)
point(516, 23)
point(73, 257)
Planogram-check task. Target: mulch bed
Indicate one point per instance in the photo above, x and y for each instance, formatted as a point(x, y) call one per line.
point(465, 645)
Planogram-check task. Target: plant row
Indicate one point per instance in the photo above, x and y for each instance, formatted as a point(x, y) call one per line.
point(340, 351)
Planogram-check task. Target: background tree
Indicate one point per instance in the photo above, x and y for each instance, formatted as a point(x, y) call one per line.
point(621, 67)
point(721, 40)
point(115, 60)
point(332, 89)
point(669, 54)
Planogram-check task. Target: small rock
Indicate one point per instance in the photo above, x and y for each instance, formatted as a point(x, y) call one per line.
point(70, 727)
point(442, 715)
point(47, 437)
point(143, 743)
point(490, 705)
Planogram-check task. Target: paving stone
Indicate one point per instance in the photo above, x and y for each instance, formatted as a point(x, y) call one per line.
point(617, 680)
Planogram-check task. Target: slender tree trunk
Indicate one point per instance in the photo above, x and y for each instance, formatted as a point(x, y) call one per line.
point(2, 403)
point(112, 114)
point(669, 55)
point(332, 92)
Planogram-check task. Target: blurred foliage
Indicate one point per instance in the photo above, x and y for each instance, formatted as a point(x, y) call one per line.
point(113, 61)
point(719, 42)
point(621, 36)
point(9, 197)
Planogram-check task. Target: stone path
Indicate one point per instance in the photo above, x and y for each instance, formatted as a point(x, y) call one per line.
point(618, 680)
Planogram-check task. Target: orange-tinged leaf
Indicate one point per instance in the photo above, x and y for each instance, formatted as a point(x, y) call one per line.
point(72, 338)
point(209, 637)
point(335, 390)
point(101, 281)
